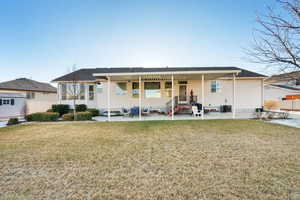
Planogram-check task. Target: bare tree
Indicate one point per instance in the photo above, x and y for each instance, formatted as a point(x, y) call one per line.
point(74, 91)
point(276, 42)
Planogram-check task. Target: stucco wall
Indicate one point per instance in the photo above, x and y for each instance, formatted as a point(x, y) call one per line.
point(41, 103)
point(273, 93)
point(248, 95)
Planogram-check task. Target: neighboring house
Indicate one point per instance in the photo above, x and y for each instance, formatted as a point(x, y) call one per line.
point(39, 96)
point(12, 105)
point(279, 86)
point(110, 89)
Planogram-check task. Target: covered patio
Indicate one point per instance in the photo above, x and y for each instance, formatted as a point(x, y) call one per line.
point(178, 97)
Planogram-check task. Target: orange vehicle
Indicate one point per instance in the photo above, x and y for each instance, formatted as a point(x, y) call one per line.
point(292, 97)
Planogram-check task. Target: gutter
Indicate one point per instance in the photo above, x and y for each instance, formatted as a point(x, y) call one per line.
point(169, 73)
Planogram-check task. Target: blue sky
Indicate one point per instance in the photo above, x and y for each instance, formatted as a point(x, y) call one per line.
point(43, 39)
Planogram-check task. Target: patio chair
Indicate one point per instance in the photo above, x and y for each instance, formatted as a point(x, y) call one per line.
point(145, 111)
point(125, 112)
point(196, 112)
point(134, 111)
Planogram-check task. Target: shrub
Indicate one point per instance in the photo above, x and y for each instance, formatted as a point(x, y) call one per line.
point(93, 111)
point(42, 116)
point(271, 105)
point(80, 116)
point(61, 108)
point(12, 121)
point(68, 117)
point(80, 108)
point(50, 110)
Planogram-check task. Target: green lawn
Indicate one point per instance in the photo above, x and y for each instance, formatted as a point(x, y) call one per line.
point(210, 159)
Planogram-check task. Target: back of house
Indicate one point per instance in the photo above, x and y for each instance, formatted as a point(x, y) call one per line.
point(117, 89)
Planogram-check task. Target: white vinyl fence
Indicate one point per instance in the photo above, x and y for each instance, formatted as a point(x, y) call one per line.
point(292, 105)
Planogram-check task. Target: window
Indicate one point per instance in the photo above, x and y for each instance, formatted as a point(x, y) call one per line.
point(121, 88)
point(152, 90)
point(135, 89)
point(298, 82)
point(71, 91)
point(168, 88)
point(5, 101)
point(215, 86)
point(182, 82)
point(75, 91)
point(30, 95)
point(63, 91)
point(91, 92)
point(81, 91)
point(12, 102)
point(99, 87)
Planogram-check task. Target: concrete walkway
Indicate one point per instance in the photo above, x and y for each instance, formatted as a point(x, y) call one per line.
point(294, 120)
point(176, 117)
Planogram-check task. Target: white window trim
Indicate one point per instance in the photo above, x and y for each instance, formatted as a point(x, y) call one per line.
point(218, 86)
point(160, 90)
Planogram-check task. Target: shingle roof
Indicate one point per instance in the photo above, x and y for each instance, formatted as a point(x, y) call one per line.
point(86, 74)
point(28, 85)
point(286, 87)
point(285, 77)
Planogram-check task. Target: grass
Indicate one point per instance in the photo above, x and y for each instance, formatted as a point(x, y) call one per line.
point(211, 159)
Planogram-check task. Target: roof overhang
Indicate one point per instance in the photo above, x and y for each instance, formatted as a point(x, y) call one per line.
point(178, 75)
point(168, 73)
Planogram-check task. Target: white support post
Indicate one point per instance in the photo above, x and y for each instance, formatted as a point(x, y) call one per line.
point(262, 93)
point(140, 98)
point(86, 93)
point(233, 98)
point(172, 97)
point(108, 98)
point(202, 96)
point(59, 92)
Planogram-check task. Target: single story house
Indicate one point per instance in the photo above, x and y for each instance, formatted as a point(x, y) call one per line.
point(163, 89)
point(39, 96)
point(12, 105)
point(278, 92)
point(279, 86)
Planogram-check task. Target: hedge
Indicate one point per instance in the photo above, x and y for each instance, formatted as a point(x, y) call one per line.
point(68, 117)
point(80, 116)
point(42, 116)
point(93, 111)
point(12, 121)
point(80, 108)
point(61, 108)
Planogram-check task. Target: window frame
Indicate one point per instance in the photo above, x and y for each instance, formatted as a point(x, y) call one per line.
point(153, 90)
point(215, 86)
point(5, 101)
point(119, 91)
point(30, 95)
point(168, 90)
point(63, 91)
point(135, 91)
point(81, 92)
point(91, 92)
